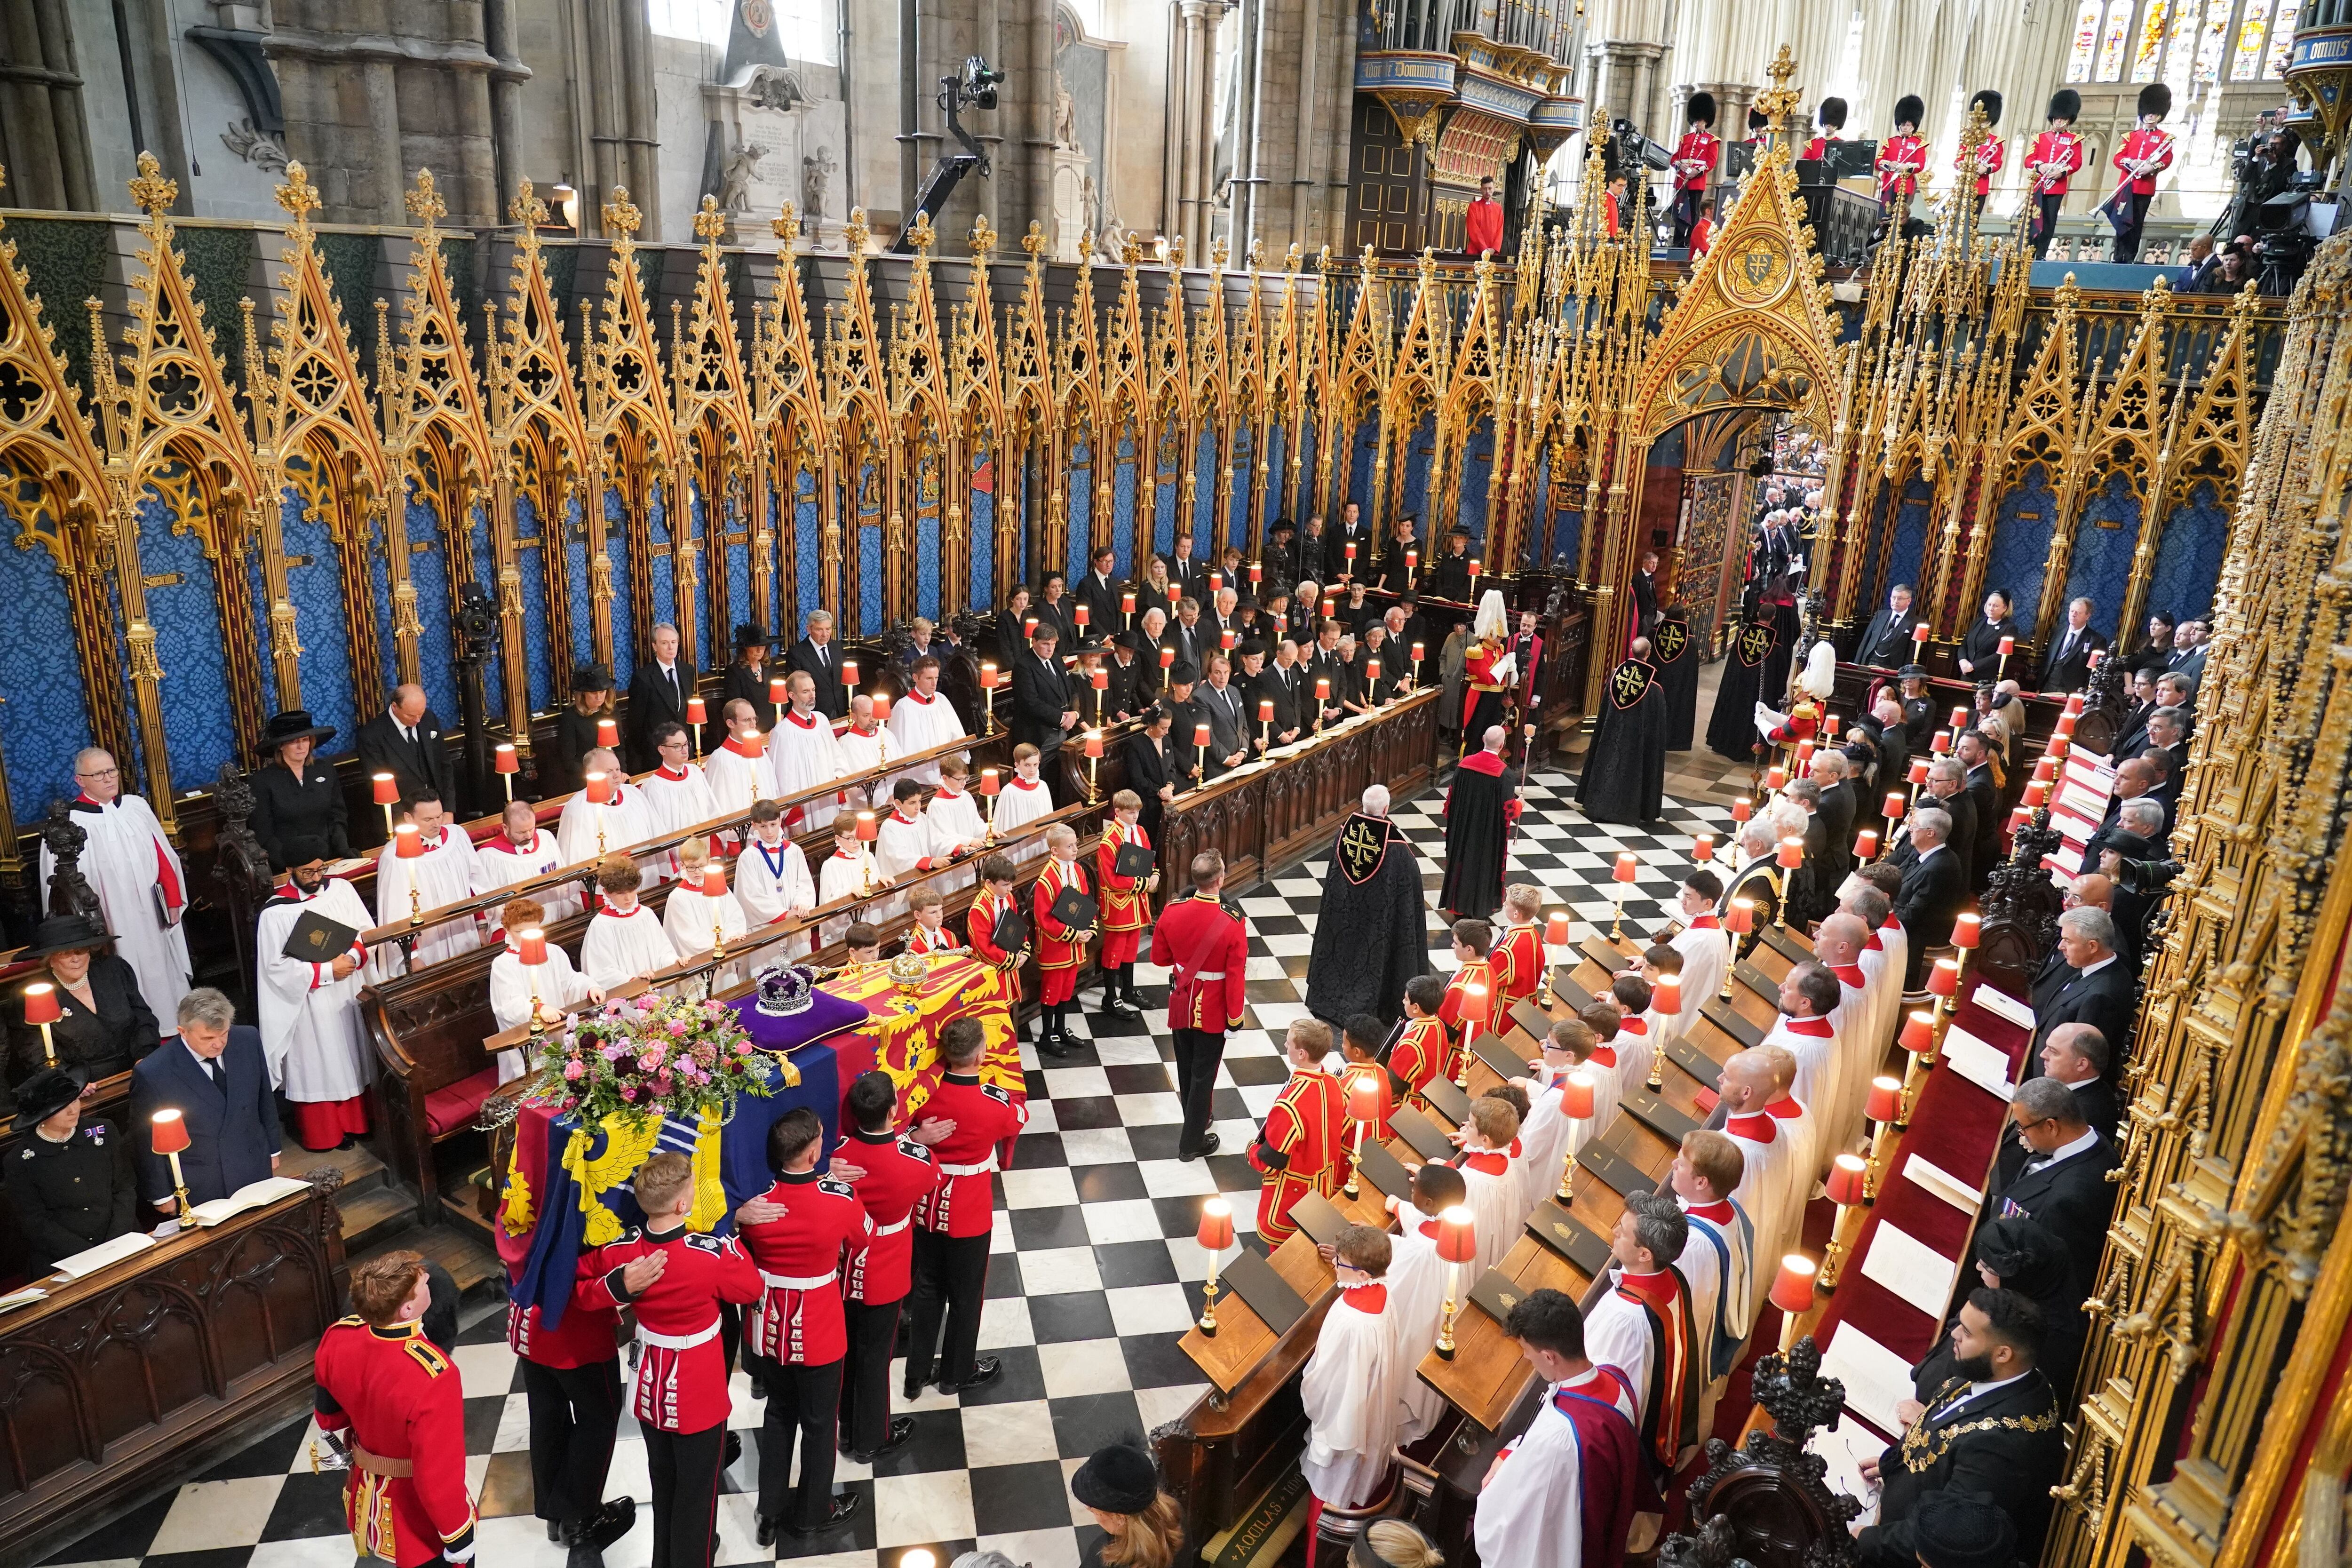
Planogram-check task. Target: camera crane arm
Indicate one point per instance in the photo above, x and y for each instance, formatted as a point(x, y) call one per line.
point(975, 85)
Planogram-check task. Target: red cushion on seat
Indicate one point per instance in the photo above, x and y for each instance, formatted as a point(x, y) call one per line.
point(452, 1110)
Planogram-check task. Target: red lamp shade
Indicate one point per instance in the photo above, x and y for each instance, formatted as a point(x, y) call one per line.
point(1967, 929)
point(714, 882)
point(1892, 806)
point(1629, 866)
point(599, 789)
point(1942, 744)
point(170, 1131)
point(1959, 720)
point(1227, 638)
point(2020, 817)
point(1216, 1232)
point(1865, 845)
point(2098, 657)
point(1703, 848)
point(1740, 919)
point(1079, 614)
point(1126, 604)
point(531, 946)
point(1776, 779)
point(41, 1005)
point(1457, 1234)
point(1347, 550)
point(1576, 1094)
point(2008, 647)
point(1475, 567)
point(1200, 734)
point(1256, 572)
point(988, 677)
point(1804, 754)
point(2065, 726)
point(1371, 669)
point(1742, 809)
point(849, 672)
point(1792, 1289)
point(696, 713)
point(2045, 769)
point(1668, 995)
point(1098, 678)
point(1412, 559)
point(1416, 653)
point(407, 843)
point(1945, 979)
point(1473, 1002)
point(776, 692)
point(1886, 1099)
point(1167, 657)
point(1556, 928)
point(881, 706)
point(1792, 853)
point(1919, 632)
point(1093, 743)
point(869, 829)
point(2059, 746)
point(2073, 705)
point(1918, 1034)
point(1918, 775)
point(508, 762)
point(1266, 710)
point(1216, 581)
point(988, 781)
point(608, 733)
point(1363, 1098)
point(1322, 689)
point(1845, 1183)
point(386, 788)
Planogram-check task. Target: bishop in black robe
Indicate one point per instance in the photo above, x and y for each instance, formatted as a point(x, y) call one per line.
point(1372, 928)
point(1678, 664)
point(1731, 730)
point(1625, 770)
point(1481, 807)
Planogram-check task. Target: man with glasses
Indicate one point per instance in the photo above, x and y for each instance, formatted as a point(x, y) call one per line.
point(2061, 1184)
point(142, 890)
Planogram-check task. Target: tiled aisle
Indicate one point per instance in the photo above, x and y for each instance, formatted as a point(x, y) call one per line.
point(1093, 1244)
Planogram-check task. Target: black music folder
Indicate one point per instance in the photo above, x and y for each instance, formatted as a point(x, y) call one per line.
point(1011, 932)
point(1074, 910)
point(1603, 1160)
point(1653, 1112)
point(315, 938)
point(1252, 1278)
point(1507, 1063)
point(1448, 1099)
point(1132, 860)
point(1422, 1135)
point(1569, 1237)
point(1323, 1224)
point(1385, 1171)
point(1497, 1293)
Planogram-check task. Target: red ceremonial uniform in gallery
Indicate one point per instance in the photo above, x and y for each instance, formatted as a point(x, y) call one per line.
point(402, 1401)
point(1990, 154)
point(1125, 908)
point(1482, 691)
point(1517, 963)
point(1060, 949)
point(1420, 1053)
point(1203, 943)
point(1383, 1092)
point(1900, 159)
point(1302, 1148)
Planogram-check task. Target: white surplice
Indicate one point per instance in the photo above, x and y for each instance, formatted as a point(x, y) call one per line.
point(513, 983)
point(905, 844)
point(501, 862)
point(1019, 803)
point(1349, 1391)
point(1706, 959)
point(919, 723)
point(1819, 1078)
point(1531, 1513)
point(310, 1030)
point(624, 821)
point(772, 882)
point(620, 947)
point(1416, 1282)
point(861, 753)
point(674, 802)
point(841, 879)
point(1721, 1252)
point(1617, 1333)
point(132, 866)
point(738, 776)
point(447, 873)
point(804, 755)
point(689, 917)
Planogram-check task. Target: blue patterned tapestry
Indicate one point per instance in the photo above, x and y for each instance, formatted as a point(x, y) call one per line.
point(1477, 478)
point(2104, 542)
point(1081, 510)
point(1124, 480)
point(544, 675)
point(183, 607)
point(1362, 452)
point(315, 586)
point(428, 569)
point(809, 554)
point(617, 550)
point(985, 478)
point(45, 721)
point(1205, 491)
point(1240, 512)
point(927, 537)
point(1911, 522)
point(2188, 556)
point(2020, 544)
point(575, 578)
point(1418, 452)
point(494, 673)
point(1269, 499)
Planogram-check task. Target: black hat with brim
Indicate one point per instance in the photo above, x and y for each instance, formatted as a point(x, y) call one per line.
point(47, 1092)
point(1120, 1478)
point(592, 678)
point(66, 933)
point(291, 725)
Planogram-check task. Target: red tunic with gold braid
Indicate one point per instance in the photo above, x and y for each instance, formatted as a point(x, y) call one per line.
point(1419, 1054)
point(1302, 1148)
point(1060, 948)
point(1384, 1088)
point(1517, 965)
point(1450, 1010)
point(1900, 159)
point(1991, 153)
point(1125, 907)
point(924, 941)
point(1203, 943)
point(2060, 154)
point(402, 1401)
point(1478, 674)
point(2144, 146)
point(1694, 161)
point(981, 926)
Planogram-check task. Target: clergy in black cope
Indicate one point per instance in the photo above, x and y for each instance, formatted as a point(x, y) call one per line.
point(1625, 769)
point(1677, 665)
point(1482, 806)
point(1371, 929)
point(1731, 731)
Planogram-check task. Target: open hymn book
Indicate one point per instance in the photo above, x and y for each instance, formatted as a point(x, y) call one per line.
point(252, 1195)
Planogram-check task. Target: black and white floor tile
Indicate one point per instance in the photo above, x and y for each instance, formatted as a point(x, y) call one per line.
point(1093, 1243)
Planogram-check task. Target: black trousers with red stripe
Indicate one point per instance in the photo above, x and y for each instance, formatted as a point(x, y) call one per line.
point(865, 1373)
point(802, 1404)
point(574, 1411)
point(951, 1282)
point(683, 1469)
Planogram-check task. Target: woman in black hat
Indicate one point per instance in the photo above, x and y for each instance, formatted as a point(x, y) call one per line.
point(294, 794)
point(747, 677)
point(106, 1024)
point(2013, 1254)
point(72, 1186)
point(575, 727)
point(1120, 1486)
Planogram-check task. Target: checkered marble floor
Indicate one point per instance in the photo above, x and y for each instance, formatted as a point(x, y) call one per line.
point(1093, 1244)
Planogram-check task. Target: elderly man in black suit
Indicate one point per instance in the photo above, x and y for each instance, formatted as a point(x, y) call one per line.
point(2077, 1055)
point(1935, 887)
point(216, 1078)
point(1885, 642)
point(2063, 1183)
point(1841, 806)
point(404, 741)
point(1948, 786)
point(819, 656)
point(658, 689)
point(1045, 704)
point(2094, 986)
point(2066, 663)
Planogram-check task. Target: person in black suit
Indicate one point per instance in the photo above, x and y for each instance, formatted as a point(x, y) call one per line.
point(2167, 733)
point(295, 795)
point(1980, 648)
point(2094, 987)
point(1405, 540)
point(1233, 734)
point(1885, 642)
point(658, 689)
point(1189, 633)
point(2079, 1056)
point(2131, 737)
point(2066, 662)
point(1948, 785)
point(819, 657)
point(1052, 608)
point(1260, 684)
point(216, 1079)
point(72, 1186)
point(1098, 592)
point(1920, 718)
point(575, 727)
point(1839, 807)
point(1045, 705)
point(1188, 575)
point(747, 676)
point(1645, 595)
point(1975, 750)
point(1935, 887)
point(1992, 1430)
point(1153, 761)
point(1352, 530)
point(106, 1024)
point(2063, 1183)
point(404, 741)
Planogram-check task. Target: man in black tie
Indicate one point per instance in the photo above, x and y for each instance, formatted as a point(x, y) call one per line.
point(816, 655)
point(1230, 735)
point(2067, 667)
point(2193, 664)
point(215, 1075)
point(657, 692)
point(1043, 707)
point(2095, 986)
point(1188, 577)
point(1975, 754)
point(1934, 889)
point(1645, 595)
point(1189, 635)
point(1947, 784)
point(1885, 642)
point(1098, 592)
point(404, 741)
point(2168, 737)
point(2063, 1184)
point(1352, 530)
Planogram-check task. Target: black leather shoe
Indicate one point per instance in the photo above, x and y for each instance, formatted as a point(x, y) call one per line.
point(734, 1449)
point(1054, 1044)
point(984, 1370)
point(901, 1433)
point(615, 1519)
point(555, 1530)
point(763, 1529)
point(910, 1386)
point(843, 1505)
point(1207, 1146)
point(1122, 1008)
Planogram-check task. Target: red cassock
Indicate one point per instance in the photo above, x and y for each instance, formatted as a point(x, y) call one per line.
point(1419, 1054)
point(1991, 153)
point(1900, 159)
point(798, 1320)
point(1125, 908)
point(1301, 1148)
point(1449, 1010)
point(984, 1116)
point(1205, 945)
point(2143, 145)
point(980, 925)
point(1694, 160)
point(681, 1382)
point(899, 1173)
point(1517, 965)
point(1060, 948)
point(2059, 147)
point(401, 1400)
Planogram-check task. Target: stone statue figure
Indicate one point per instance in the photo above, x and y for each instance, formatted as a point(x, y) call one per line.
point(1066, 118)
point(816, 172)
point(735, 184)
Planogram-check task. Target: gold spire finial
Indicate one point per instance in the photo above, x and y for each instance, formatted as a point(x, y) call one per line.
point(527, 209)
point(786, 224)
point(983, 238)
point(1218, 252)
point(1130, 250)
point(298, 195)
point(1781, 98)
point(151, 191)
point(621, 214)
point(710, 223)
point(854, 233)
point(922, 236)
point(1176, 253)
point(1034, 242)
point(424, 203)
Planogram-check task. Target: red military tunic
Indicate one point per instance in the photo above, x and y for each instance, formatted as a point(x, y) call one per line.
point(984, 1116)
point(921, 939)
point(1694, 157)
point(402, 1404)
point(798, 1320)
point(1420, 1054)
point(1383, 1086)
point(1125, 907)
point(1203, 943)
point(1449, 1010)
point(1478, 675)
point(1060, 949)
point(1517, 966)
point(590, 1333)
point(1301, 1148)
point(1900, 161)
point(981, 926)
point(2062, 148)
point(1818, 148)
point(681, 1382)
point(1990, 154)
point(2144, 146)
point(899, 1173)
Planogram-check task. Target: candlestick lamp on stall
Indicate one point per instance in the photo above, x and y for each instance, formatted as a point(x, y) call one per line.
point(1215, 1235)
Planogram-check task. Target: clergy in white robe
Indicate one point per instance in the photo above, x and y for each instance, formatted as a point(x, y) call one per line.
point(1705, 948)
point(1720, 1260)
point(1024, 799)
point(738, 772)
point(520, 851)
point(514, 984)
point(924, 720)
point(1837, 947)
point(677, 794)
point(310, 1013)
point(1416, 1282)
point(803, 756)
point(1768, 1159)
point(864, 746)
point(1798, 1125)
point(692, 918)
point(1643, 1325)
point(624, 939)
point(1881, 982)
point(136, 874)
point(447, 873)
point(1813, 1046)
point(1350, 1387)
point(588, 831)
point(1561, 1495)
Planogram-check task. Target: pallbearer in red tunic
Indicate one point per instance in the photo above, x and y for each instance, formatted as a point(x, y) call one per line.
point(2146, 152)
point(1517, 963)
point(1302, 1146)
point(1125, 904)
point(1421, 1051)
point(995, 900)
point(1203, 943)
point(890, 1173)
point(2051, 161)
point(396, 1401)
point(1903, 155)
point(953, 1220)
point(680, 1397)
point(1694, 157)
point(1981, 164)
point(1564, 1493)
point(800, 1233)
point(1061, 948)
point(1643, 1326)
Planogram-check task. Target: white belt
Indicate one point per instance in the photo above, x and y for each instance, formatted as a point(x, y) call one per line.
point(983, 1169)
point(1211, 974)
point(678, 1341)
point(798, 1281)
point(894, 1229)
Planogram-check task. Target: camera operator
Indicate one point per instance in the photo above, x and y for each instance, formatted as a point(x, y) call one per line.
point(2250, 161)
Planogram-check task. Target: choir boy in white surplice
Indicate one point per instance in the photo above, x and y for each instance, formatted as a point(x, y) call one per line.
point(1837, 947)
point(772, 877)
point(803, 755)
point(519, 851)
point(1769, 1160)
point(1704, 945)
point(1416, 1282)
point(677, 794)
point(691, 918)
point(1637, 1048)
point(955, 819)
point(513, 982)
point(1719, 1261)
point(1643, 1326)
point(908, 841)
point(309, 1012)
point(1490, 1182)
point(1550, 1135)
point(1562, 1494)
point(587, 831)
point(1024, 799)
point(845, 875)
point(445, 874)
point(136, 874)
point(1351, 1388)
point(624, 939)
point(924, 720)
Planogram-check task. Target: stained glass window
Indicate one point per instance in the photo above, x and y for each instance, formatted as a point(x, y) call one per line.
point(2149, 51)
point(2213, 39)
point(2087, 38)
point(2112, 39)
point(2247, 62)
point(2281, 38)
